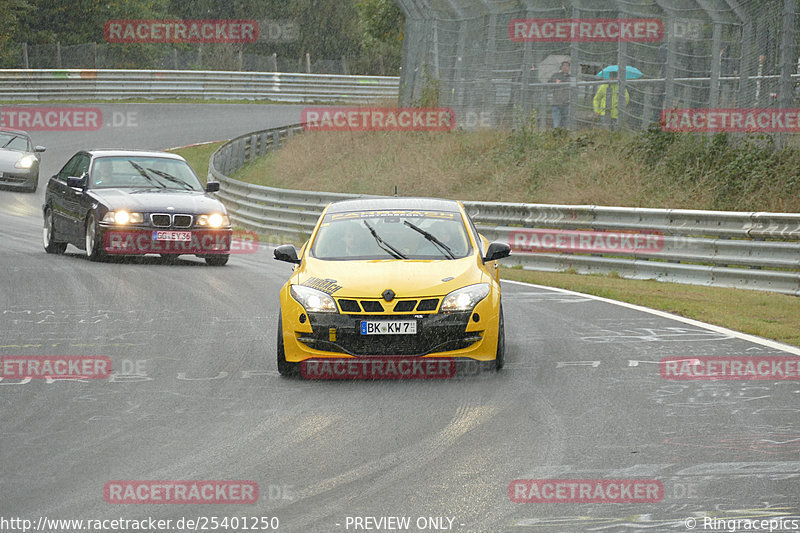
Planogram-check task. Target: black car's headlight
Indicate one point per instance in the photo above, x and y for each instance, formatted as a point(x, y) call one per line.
point(123, 217)
point(465, 298)
point(312, 300)
point(214, 220)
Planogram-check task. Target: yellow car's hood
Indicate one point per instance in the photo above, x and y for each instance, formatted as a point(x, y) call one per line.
point(368, 279)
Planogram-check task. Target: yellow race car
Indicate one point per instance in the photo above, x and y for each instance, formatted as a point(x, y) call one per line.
point(392, 278)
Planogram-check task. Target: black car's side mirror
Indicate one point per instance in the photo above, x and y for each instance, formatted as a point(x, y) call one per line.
point(39, 148)
point(287, 253)
point(497, 250)
point(78, 182)
point(212, 186)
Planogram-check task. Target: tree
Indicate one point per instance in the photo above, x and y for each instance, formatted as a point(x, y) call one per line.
point(10, 13)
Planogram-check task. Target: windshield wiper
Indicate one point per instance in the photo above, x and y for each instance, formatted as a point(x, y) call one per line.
point(431, 237)
point(11, 140)
point(172, 178)
point(146, 176)
point(388, 248)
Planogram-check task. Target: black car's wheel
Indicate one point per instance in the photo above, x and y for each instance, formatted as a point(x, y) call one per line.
point(50, 246)
point(285, 368)
point(500, 360)
point(94, 245)
point(217, 260)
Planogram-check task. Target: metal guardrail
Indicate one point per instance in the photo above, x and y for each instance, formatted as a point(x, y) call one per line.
point(759, 251)
point(44, 84)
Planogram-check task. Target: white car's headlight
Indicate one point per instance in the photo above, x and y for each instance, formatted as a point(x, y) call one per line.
point(214, 220)
point(465, 298)
point(25, 162)
point(123, 217)
point(312, 300)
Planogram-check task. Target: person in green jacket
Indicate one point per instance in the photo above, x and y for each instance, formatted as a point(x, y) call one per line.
point(600, 98)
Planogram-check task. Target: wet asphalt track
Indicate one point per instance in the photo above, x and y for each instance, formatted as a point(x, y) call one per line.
point(580, 398)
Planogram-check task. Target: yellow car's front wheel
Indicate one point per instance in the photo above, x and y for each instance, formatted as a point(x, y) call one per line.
point(501, 342)
point(285, 368)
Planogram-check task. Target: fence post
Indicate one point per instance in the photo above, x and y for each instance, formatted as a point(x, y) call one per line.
point(25, 55)
point(785, 93)
point(58, 54)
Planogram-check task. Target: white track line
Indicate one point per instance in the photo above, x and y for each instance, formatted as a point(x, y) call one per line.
point(718, 329)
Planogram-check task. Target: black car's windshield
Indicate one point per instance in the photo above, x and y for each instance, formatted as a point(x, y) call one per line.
point(143, 172)
point(392, 235)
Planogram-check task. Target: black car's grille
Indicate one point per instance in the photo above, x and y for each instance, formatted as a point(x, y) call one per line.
point(348, 305)
point(165, 220)
point(160, 221)
point(435, 333)
point(182, 221)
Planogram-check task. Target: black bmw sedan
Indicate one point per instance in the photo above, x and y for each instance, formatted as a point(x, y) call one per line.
point(126, 202)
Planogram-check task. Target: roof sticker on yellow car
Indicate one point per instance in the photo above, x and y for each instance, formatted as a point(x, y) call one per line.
point(392, 213)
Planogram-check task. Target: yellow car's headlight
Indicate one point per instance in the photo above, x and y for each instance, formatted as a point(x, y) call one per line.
point(312, 300)
point(214, 220)
point(466, 298)
point(123, 217)
point(25, 162)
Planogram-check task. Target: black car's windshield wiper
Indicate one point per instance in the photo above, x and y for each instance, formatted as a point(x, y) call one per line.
point(388, 248)
point(146, 176)
point(431, 237)
point(173, 179)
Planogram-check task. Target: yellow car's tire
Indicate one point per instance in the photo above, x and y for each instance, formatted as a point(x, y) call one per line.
point(500, 359)
point(285, 368)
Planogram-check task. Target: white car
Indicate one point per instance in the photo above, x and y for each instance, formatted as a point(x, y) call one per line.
point(19, 160)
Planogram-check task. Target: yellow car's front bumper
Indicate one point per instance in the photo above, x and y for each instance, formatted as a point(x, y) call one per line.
point(472, 335)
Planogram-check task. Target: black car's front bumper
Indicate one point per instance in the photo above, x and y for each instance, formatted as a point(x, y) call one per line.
point(141, 240)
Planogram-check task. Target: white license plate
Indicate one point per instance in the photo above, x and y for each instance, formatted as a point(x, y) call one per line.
point(386, 327)
point(184, 236)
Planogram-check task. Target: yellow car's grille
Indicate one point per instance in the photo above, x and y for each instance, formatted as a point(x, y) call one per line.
point(353, 306)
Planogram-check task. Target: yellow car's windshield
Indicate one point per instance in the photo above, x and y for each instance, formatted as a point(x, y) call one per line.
point(359, 235)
